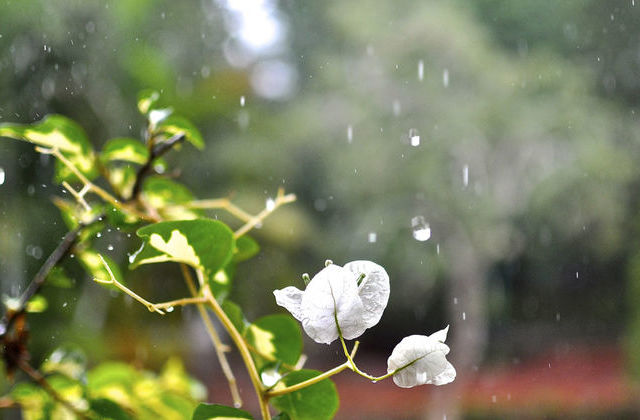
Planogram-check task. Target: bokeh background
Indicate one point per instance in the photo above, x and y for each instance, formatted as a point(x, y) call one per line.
point(485, 153)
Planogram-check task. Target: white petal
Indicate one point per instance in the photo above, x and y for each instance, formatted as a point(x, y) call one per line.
point(373, 291)
point(290, 298)
point(441, 335)
point(332, 292)
point(422, 361)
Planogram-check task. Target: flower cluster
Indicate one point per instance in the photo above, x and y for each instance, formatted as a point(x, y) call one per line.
point(343, 302)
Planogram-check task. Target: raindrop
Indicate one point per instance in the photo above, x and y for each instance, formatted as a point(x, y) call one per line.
point(64, 305)
point(455, 300)
point(110, 247)
point(242, 100)
point(465, 175)
point(421, 70)
point(349, 133)
point(577, 275)
point(414, 137)
point(170, 309)
point(99, 234)
point(464, 316)
point(2, 176)
point(271, 204)
point(421, 229)
point(397, 108)
point(373, 237)
point(445, 78)
point(438, 249)
point(557, 316)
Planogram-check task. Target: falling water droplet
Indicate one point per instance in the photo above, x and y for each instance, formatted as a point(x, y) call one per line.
point(421, 70)
point(373, 237)
point(271, 204)
point(349, 133)
point(397, 108)
point(110, 247)
point(170, 309)
point(2, 176)
point(465, 175)
point(445, 78)
point(464, 316)
point(414, 137)
point(421, 229)
point(242, 100)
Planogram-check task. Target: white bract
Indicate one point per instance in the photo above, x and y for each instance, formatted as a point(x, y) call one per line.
point(421, 360)
point(334, 295)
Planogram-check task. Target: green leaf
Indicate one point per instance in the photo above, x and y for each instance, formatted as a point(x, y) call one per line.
point(175, 379)
point(123, 179)
point(36, 304)
point(220, 412)
point(234, 312)
point(204, 244)
point(124, 149)
point(91, 262)
point(174, 124)
point(108, 409)
point(221, 282)
point(70, 362)
point(246, 247)
point(276, 336)
point(316, 402)
point(110, 374)
point(35, 402)
point(53, 131)
point(147, 99)
point(166, 196)
point(57, 131)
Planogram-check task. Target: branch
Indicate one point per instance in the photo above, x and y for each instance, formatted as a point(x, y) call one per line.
point(40, 380)
point(154, 153)
point(93, 187)
point(280, 200)
point(316, 379)
point(38, 281)
point(218, 345)
point(112, 280)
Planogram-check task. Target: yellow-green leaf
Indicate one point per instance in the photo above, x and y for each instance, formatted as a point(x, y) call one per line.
point(174, 124)
point(202, 243)
point(124, 149)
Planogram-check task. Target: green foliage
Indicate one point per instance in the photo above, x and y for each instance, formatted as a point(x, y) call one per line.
point(174, 124)
point(276, 336)
point(246, 247)
point(316, 402)
point(203, 244)
point(124, 149)
point(216, 411)
point(58, 132)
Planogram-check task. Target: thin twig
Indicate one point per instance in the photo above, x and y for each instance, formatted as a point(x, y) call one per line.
point(218, 345)
point(154, 153)
point(280, 199)
point(40, 380)
point(240, 343)
point(167, 306)
point(38, 281)
point(115, 282)
point(93, 187)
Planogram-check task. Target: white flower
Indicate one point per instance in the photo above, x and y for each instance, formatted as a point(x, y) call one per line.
point(421, 361)
point(334, 294)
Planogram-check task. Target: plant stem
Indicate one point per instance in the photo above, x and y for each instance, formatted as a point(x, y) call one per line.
point(242, 348)
point(40, 379)
point(54, 258)
point(218, 345)
point(93, 187)
point(180, 302)
point(155, 151)
point(281, 199)
point(315, 379)
point(122, 287)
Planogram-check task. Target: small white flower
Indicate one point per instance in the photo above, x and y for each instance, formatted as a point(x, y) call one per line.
point(422, 361)
point(334, 294)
